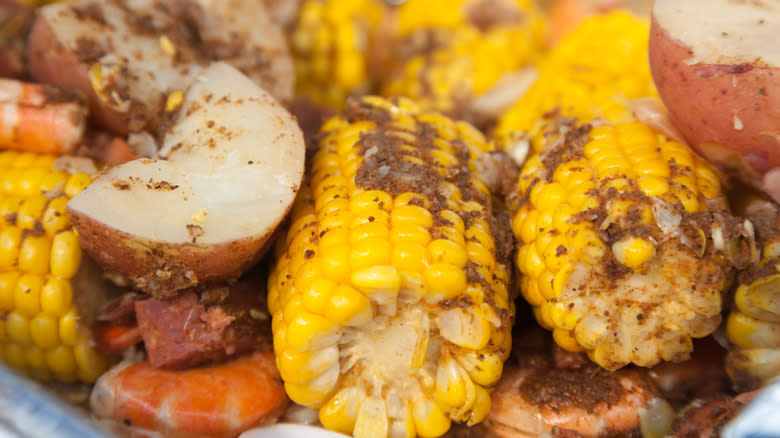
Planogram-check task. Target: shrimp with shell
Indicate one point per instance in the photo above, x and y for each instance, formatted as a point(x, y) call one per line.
point(214, 401)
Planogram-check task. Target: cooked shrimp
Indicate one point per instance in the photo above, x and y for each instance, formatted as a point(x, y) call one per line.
point(216, 401)
point(535, 398)
point(40, 118)
point(705, 418)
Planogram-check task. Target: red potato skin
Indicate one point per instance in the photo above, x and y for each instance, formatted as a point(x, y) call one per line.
point(703, 99)
point(50, 63)
point(161, 269)
point(17, 17)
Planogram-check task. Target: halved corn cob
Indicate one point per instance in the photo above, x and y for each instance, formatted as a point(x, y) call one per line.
point(450, 52)
point(624, 242)
point(330, 44)
point(46, 296)
point(753, 327)
point(391, 313)
point(593, 71)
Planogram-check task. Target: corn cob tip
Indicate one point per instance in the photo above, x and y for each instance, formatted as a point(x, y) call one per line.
point(389, 297)
point(624, 249)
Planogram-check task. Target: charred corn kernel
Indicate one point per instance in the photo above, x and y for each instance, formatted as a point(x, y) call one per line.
point(400, 299)
point(330, 43)
point(753, 327)
point(577, 79)
point(451, 59)
point(628, 239)
point(40, 258)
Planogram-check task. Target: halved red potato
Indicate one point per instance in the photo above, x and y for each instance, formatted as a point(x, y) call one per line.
point(231, 164)
point(716, 65)
point(129, 56)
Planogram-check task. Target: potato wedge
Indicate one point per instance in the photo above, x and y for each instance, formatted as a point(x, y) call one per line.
point(231, 165)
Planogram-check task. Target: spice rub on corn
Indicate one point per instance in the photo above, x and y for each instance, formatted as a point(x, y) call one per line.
point(623, 240)
point(391, 312)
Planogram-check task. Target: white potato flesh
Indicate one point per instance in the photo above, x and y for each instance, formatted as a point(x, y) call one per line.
point(233, 164)
point(724, 31)
point(148, 70)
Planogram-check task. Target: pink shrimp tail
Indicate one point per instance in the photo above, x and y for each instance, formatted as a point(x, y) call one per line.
point(40, 118)
point(216, 401)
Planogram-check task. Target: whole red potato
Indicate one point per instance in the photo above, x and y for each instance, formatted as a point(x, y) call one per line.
point(716, 64)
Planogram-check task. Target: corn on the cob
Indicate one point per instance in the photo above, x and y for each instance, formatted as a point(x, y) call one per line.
point(43, 318)
point(623, 242)
point(451, 52)
point(330, 44)
point(753, 327)
point(593, 71)
point(391, 312)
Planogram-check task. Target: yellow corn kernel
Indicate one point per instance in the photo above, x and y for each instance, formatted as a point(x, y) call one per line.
point(76, 183)
point(315, 297)
point(429, 420)
point(34, 254)
point(90, 364)
point(447, 251)
point(340, 412)
point(62, 362)
point(34, 358)
point(27, 296)
point(444, 280)
point(8, 282)
point(377, 280)
point(30, 212)
point(566, 340)
point(55, 218)
point(336, 262)
point(65, 254)
point(17, 327)
point(347, 306)
point(44, 331)
point(409, 256)
point(13, 355)
point(308, 331)
point(68, 328)
point(748, 332)
point(633, 251)
point(370, 251)
point(10, 244)
point(412, 215)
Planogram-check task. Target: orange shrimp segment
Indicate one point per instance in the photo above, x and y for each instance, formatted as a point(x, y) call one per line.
point(40, 118)
point(215, 401)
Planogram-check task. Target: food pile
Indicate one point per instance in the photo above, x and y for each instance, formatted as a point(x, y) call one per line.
point(393, 219)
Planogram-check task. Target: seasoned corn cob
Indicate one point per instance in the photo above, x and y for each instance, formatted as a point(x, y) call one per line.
point(45, 300)
point(391, 313)
point(593, 71)
point(450, 52)
point(753, 327)
point(330, 44)
point(624, 242)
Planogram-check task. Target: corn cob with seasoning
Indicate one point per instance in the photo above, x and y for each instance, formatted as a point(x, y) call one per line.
point(391, 313)
point(330, 43)
point(595, 70)
point(624, 241)
point(450, 54)
point(753, 327)
point(46, 290)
